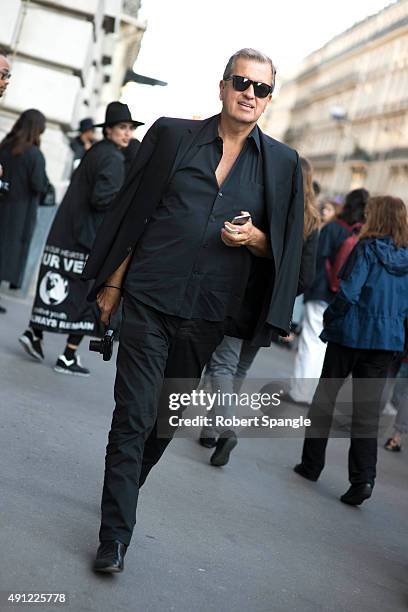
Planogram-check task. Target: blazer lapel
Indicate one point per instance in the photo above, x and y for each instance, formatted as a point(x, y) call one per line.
point(186, 143)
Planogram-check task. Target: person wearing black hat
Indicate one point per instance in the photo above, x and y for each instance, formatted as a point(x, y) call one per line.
point(83, 142)
point(60, 304)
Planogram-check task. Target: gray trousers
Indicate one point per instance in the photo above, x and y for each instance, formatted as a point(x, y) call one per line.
point(225, 372)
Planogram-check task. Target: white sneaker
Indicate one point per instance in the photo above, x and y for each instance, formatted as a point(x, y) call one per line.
point(32, 345)
point(73, 366)
point(390, 409)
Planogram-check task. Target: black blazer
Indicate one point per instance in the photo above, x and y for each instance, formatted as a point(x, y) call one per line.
point(273, 284)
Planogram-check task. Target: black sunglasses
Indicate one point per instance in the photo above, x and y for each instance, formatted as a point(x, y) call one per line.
point(240, 83)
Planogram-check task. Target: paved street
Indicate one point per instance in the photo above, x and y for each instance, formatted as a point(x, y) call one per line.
point(252, 536)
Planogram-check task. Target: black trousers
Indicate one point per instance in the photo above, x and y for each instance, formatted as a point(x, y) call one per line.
point(154, 348)
point(369, 371)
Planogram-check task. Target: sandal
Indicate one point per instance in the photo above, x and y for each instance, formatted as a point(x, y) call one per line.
point(392, 446)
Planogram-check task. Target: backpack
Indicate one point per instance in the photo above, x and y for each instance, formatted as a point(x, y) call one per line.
point(333, 270)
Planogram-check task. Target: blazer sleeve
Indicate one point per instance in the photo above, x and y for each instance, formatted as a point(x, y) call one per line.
point(287, 276)
point(308, 262)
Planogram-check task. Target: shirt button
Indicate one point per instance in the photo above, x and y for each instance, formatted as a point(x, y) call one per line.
point(146, 220)
point(129, 249)
point(220, 194)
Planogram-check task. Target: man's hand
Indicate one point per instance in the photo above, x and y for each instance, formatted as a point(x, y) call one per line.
point(108, 301)
point(242, 236)
point(249, 236)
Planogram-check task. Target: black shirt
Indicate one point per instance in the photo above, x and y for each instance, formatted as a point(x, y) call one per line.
point(180, 265)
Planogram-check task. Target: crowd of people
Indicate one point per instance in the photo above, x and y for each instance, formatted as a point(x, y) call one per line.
point(217, 239)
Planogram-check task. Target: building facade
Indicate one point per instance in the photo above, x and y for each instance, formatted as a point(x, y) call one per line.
point(69, 58)
point(347, 108)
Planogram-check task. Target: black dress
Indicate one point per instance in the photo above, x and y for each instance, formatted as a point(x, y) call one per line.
point(18, 209)
point(60, 302)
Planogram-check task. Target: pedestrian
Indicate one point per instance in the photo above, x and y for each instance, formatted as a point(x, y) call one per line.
point(191, 274)
point(399, 400)
point(60, 304)
point(23, 167)
point(328, 211)
point(83, 141)
point(311, 350)
point(364, 326)
point(5, 76)
point(231, 360)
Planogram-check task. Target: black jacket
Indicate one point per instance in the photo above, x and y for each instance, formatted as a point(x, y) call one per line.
point(92, 189)
point(78, 148)
point(18, 209)
point(273, 284)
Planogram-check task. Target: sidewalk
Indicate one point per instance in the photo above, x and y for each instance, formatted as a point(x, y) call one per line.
point(252, 536)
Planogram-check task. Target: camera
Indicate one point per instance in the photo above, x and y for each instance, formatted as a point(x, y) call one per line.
point(4, 187)
point(104, 346)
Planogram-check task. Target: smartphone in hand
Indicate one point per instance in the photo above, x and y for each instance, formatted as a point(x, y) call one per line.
point(238, 220)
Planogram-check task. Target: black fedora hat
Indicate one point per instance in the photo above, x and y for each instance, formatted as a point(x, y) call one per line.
point(116, 112)
point(85, 125)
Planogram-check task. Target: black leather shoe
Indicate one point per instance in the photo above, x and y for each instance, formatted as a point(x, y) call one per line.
point(226, 442)
point(110, 556)
point(300, 469)
point(207, 441)
point(357, 494)
point(392, 445)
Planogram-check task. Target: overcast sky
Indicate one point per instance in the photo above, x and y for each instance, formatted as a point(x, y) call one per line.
point(188, 42)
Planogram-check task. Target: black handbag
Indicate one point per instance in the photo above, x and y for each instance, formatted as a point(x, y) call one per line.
point(48, 198)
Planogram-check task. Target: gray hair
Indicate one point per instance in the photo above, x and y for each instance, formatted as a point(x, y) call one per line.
point(249, 54)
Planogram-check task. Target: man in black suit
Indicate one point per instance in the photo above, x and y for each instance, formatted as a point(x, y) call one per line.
point(187, 276)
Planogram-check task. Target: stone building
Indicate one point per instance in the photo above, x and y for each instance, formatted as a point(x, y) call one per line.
point(347, 108)
point(69, 58)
